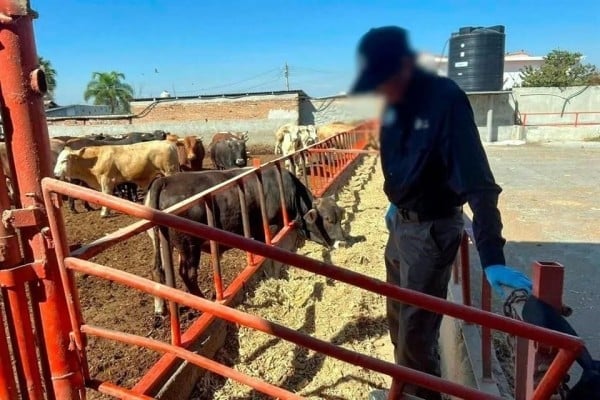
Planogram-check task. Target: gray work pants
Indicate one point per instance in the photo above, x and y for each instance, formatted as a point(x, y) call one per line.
point(419, 256)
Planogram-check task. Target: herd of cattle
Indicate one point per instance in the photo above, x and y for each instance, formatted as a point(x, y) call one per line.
point(167, 168)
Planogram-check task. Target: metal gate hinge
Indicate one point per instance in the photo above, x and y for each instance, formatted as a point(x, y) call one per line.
point(22, 217)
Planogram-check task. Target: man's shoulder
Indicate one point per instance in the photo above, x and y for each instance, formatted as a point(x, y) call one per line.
point(445, 88)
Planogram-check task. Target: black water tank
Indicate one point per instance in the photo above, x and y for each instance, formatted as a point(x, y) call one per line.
point(476, 58)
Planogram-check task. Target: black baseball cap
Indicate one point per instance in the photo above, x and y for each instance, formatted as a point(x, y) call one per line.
point(380, 53)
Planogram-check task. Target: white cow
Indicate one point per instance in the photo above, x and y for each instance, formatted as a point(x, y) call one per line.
point(290, 138)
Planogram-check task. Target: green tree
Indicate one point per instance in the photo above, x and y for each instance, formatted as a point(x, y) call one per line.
point(50, 73)
point(560, 69)
point(108, 88)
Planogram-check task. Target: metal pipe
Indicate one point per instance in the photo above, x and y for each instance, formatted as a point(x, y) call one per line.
point(263, 207)
point(24, 337)
point(214, 248)
point(417, 299)
point(196, 359)
point(220, 311)
point(465, 269)
point(116, 391)
point(486, 334)
point(8, 386)
point(245, 218)
point(22, 86)
point(552, 378)
point(284, 211)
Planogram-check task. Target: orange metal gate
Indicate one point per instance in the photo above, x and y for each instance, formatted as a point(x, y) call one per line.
point(48, 344)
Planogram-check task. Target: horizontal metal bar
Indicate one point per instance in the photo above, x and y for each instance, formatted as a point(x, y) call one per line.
point(21, 274)
point(347, 151)
point(116, 391)
point(431, 303)
point(196, 359)
point(263, 325)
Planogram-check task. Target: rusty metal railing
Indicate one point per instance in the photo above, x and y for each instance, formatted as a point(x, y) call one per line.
point(569, 346)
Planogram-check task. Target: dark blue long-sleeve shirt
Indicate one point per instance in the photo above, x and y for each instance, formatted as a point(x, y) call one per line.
point(433, 160)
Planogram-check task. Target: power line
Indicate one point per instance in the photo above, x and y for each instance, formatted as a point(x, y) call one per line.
point(240, 81)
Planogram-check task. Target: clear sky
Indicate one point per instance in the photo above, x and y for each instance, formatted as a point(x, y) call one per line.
point(210, 46)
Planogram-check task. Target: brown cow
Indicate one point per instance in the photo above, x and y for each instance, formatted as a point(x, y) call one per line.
point(190, 151)
point(104, 167)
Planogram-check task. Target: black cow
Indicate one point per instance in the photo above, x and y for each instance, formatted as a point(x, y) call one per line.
point(228, 154)
point(317, 219)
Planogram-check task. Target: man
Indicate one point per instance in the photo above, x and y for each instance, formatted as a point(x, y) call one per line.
point(433, 163)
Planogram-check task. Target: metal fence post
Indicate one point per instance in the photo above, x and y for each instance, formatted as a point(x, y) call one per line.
point(22, 86)
point(548, 279)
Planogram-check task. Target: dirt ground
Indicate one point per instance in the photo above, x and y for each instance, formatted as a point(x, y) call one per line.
point(112, 306)
point(332, 311)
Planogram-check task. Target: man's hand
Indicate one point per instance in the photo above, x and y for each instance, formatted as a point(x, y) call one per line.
point(389, 216)
point(501, 275)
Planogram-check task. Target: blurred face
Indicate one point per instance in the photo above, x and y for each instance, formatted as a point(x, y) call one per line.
point(394, 89)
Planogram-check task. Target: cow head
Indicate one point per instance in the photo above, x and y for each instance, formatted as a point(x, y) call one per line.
point(323, 222)
point(190, 143)
point(238, 153)
point(62, 169)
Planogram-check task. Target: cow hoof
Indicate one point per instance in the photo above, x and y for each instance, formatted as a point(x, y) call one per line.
point(158, 321)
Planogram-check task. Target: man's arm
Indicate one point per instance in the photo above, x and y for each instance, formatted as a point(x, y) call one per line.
point(470, 177)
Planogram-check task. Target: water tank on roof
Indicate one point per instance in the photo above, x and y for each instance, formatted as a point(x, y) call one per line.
point(476, 58)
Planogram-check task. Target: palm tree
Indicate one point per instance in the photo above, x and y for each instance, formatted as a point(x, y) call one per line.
point(108, 88)
point(50, 73)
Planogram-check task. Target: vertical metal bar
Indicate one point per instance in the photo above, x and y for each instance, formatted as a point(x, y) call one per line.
point(26, 356)
point(486, 334)
point(548, 280)
point(214, 248)
point(303, 156)
point(576, 118)
point(167, 263)
point(22, 87)
point(8, 384)
point(521, 357)
point(263, 207)
point(245, 218)
point(395, 389)
point(551, 379)
point(284, 211)
point(465, 269)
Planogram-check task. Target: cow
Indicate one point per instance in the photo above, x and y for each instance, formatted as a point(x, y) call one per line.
point(221, 136)
point(290, 138)
point(318, 220)
point(190, 151)
point(104, 167)
point(229, 153)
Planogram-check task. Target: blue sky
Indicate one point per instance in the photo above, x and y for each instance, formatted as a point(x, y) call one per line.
point(206, 46)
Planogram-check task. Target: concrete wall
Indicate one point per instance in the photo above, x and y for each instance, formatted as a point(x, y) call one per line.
point(557, 100)
point(343, 109)
point(259, 115)
point(77, 110)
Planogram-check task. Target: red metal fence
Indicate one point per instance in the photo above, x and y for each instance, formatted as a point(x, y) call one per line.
point(48, 345)
point(580, 118)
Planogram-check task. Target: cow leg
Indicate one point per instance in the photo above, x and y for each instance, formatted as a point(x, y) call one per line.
point(71, 201)
point(107, 188)
point(87, 206)
point(188, 268)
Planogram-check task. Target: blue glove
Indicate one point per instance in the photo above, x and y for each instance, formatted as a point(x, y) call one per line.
point(389, 216)
point(501, 275)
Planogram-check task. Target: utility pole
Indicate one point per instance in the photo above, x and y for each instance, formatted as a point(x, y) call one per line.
point(286, 74)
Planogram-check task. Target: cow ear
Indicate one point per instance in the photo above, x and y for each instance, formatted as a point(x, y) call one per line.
point(316, 202)
point(80, 152)
point(311, 216)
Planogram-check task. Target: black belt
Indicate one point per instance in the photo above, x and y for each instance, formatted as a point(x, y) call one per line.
point(413, 216)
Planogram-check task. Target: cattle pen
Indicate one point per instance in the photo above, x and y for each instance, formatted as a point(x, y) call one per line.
point(47, 334)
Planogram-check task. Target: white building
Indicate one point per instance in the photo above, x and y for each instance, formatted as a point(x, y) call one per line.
point(513, 63)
